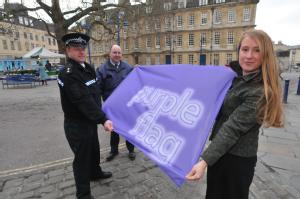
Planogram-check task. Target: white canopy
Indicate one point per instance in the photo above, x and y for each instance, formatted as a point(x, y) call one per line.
point(40, 52)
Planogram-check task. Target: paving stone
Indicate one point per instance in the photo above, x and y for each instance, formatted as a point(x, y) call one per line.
point(12, 183)
point(282, 162)
point(47, 189)
point(54, 173)
point(30, 186)
point(25, 195)
point(66, 184)
point(101, 190)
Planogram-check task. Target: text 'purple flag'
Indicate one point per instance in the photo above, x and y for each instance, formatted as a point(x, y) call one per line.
point(167, 112)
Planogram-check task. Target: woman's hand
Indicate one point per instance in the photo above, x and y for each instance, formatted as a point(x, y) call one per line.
point(108, 126)
point(197, 171)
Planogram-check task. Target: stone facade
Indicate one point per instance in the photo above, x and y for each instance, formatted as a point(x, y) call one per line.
point(171, 32)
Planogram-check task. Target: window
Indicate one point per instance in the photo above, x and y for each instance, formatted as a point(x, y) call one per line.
point(168, 6)
point(191, 59)
point(216, 59)
point(21, 20)
point(231, 15)
point(17, 34)
point(230, 38)
point(157, 25)
point(148, 9)
point(179, 21)
point(134, 27)
point(31, 36)
point(30, 22)
point(179, 59)
point(25, 35)
point(202, 2)
point(220, 1)
point(26, 22)
point(32, 46)
point(191, 39)
point(179, 40)
point(157, 41)
point(43, 38)
point(126, 44)
point(4, 43)
point(27, 46)
point(19, 46)
point(136, 43)
point(148, 60)
point(181, 4)
point(217, 16)
point(228, 58)
point(203, 37)
point(157, 59)
point(203, 18)
point(36, 37)
point(53, 42)
point(49, 41)
point(246, 14)
point(168, 23)
point(217, 38)
point(147, 26)
point(168, 40)
point(148, 42)
point(192, 20)
point(12, 45)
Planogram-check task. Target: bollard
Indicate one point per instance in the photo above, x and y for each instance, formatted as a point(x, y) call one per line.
point(286, 90)
point(298, 90)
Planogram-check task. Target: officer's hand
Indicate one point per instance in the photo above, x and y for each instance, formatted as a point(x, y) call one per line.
point(108, 126)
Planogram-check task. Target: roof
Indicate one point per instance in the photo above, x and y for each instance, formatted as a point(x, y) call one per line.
point(40, 52)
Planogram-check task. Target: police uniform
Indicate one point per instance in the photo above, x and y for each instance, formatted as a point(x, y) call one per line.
point(82, 112)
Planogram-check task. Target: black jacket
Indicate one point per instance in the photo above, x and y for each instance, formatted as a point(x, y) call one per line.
point(80, 98)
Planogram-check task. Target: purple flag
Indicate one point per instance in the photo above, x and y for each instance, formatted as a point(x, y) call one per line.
point(167, 112)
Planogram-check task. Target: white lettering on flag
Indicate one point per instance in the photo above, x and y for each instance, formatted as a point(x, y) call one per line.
point(187, 112)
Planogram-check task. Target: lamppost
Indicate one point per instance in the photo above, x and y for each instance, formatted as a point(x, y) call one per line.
point(201, 56)
point(120, 14)
point(87, 27)
point(211, 34)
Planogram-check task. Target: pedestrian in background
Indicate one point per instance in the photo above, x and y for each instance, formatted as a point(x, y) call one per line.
point(42, 73)
point(253, 100)
point(110, 75)
point(80, 100)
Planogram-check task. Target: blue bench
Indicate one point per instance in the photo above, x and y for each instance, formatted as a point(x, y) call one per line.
point(17, 80)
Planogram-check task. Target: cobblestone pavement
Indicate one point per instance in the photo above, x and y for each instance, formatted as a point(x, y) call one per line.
point(277, 173)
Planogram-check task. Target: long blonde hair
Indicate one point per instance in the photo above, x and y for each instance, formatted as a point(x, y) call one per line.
point(270, 111)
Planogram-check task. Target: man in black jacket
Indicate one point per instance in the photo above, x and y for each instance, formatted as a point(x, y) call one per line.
point(80, 100)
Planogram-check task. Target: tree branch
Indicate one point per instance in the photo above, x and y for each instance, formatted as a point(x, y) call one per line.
point(47, 27)
point(72, 11)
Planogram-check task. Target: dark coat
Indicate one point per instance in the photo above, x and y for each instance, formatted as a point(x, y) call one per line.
point(109, 77)
point(236, 128)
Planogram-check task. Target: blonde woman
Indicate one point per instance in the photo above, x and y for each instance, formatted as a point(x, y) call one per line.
point(253, 100)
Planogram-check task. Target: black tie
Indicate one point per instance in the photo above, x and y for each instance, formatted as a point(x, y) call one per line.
point(117, 66)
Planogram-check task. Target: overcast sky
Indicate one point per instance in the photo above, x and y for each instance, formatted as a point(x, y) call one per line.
point(279, 18)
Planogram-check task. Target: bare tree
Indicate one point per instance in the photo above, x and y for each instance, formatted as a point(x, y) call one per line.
point(63, 20)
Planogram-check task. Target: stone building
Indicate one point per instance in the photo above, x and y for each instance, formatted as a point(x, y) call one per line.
point(22, 33)
point(204, 32)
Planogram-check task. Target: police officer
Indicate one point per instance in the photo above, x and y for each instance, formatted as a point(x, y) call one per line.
point(82, 112)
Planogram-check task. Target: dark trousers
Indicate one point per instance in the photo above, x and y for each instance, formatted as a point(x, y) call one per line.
point(114, 143)
point(83, 140)
point(230, 177)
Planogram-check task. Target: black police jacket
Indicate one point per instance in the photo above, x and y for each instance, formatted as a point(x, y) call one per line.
point(80, 98)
